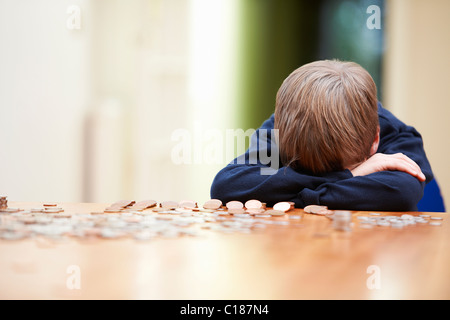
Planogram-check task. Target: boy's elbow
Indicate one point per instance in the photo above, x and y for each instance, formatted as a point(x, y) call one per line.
point(216, 189)
point(221, 188)
point(235, 183)
point(406, 199)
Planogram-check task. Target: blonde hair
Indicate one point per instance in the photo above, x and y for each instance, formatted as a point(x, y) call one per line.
point(326, 115)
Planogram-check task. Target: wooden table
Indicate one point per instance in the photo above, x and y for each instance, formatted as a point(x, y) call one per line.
point(306, 259)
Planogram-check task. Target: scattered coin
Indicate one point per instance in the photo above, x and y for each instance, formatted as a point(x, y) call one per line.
point(316, 209)
point(142, 205)
point(255, 210)
point(212, 204)
point(342, 220)
point(276, 212)
point(383, 223)
point(10, 210)
point(187, 204)
point(53, 210)
point(253, 204)
point(3, 203)
point(112, 210)
point(236, 211)
point(234, 205)
point(283, 206)
point(262, 215)
point(50, 204)
point(169, 204)
point(119, 205)
point(127, 218)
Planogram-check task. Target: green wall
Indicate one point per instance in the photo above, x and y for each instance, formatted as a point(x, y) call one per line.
point(276, 38)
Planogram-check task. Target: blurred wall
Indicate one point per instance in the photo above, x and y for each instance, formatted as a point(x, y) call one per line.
point(276, 37)
point(417, 75)
point(44, 93)
point(89, 105)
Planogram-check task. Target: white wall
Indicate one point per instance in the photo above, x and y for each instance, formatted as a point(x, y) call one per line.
point(88, 114)
point(44, 88)
point(417, 75)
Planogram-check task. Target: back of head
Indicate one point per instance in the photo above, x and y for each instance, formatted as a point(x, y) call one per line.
point(326, 114)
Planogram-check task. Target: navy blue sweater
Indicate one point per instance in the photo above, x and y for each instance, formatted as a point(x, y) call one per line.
point(242, 179)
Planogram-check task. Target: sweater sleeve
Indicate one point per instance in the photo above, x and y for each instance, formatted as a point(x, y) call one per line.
point(252, 176)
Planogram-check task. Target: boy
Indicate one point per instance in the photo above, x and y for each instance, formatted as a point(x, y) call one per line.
point(337, 145)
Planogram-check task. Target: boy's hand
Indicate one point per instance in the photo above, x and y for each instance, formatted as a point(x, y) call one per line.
point(385, 162)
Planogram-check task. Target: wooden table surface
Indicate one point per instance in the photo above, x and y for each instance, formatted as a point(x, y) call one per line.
point(305, 259)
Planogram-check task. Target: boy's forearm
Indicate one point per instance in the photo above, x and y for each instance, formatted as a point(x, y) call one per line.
point(245, 182)
point(381, 191)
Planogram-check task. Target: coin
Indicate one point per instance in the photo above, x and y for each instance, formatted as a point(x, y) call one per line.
point(187, 204)
point(49, 204)
point(145, 204)
point(316, 209)
point(234, 205)
point(169, 204)
point(212, 204)
point(53, 210)
point(112, 210)
point(282, 206)
point(262, 215)
point(121, 204)
point(255, 210)
point(275, 212)
point(253, 204)
point(236, 211)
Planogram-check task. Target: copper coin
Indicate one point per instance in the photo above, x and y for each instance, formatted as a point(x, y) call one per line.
point(236, 210)
point(316, 209)
point(212, 204)
point(169, 204)
point(235, 205)
point(253, 204)
point(275, 212)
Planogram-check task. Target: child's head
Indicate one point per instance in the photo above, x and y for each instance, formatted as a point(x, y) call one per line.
point(327, 117)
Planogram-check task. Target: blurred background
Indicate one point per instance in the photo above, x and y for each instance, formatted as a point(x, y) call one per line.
point(102, 100)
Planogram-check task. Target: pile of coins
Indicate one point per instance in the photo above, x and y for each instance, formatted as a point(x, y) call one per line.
point(398, 222)
point(148, 219)
point(144, 220)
